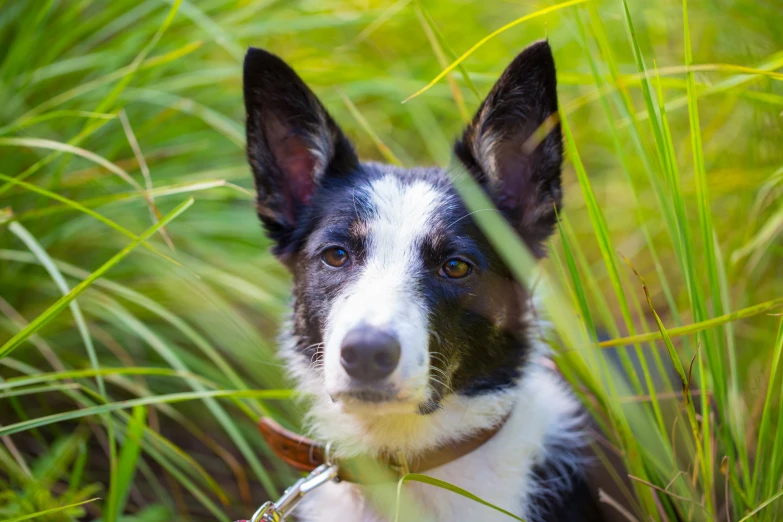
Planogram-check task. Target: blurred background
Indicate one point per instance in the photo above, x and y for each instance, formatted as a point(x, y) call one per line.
point(114, 113)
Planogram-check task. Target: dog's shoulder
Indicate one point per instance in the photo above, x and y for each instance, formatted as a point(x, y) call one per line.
point(560, 488)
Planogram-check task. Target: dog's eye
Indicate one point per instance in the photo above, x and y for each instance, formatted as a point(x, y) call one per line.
point(455, 269)
point(335, 257)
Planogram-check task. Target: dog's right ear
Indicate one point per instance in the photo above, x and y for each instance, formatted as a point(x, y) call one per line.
point(292, 144)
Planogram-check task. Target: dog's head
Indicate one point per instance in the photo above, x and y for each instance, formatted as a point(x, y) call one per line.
point(399, 299)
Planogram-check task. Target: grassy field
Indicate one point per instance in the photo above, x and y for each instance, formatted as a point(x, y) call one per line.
point(123, 182)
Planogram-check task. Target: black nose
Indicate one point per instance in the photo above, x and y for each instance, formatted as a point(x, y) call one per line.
point(369, 354)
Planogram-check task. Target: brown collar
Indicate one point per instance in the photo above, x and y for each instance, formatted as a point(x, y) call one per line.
point(306, 454)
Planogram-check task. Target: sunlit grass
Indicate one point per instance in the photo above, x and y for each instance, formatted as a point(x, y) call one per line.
point(134, 375)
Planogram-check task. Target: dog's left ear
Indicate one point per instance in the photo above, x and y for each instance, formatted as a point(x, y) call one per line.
point(293, 145)
point(514, 148)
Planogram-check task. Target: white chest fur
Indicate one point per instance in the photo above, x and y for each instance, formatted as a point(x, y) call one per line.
point(499, 471)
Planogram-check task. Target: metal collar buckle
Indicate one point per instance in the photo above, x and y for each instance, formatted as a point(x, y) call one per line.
point(278, 511)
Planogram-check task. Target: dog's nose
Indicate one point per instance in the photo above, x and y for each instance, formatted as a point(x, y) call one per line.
point(369, 354)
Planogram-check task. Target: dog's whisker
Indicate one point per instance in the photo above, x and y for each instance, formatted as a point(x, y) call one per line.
point(438, 369)
point(440, 358)
point(435, 334)
point(438, 381)
point(470, 214)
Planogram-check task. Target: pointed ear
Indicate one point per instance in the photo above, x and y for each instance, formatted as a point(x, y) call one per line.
point(293, 144)
point(513, 146)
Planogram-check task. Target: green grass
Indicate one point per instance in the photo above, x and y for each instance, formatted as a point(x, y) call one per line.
point(130, 378)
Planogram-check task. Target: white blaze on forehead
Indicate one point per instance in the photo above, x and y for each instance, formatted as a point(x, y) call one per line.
point(402, 216)
point(383, 294)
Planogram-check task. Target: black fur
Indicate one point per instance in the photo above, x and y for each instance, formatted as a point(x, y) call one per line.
point(573, 503)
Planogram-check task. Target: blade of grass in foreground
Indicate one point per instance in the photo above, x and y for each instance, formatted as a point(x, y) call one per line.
point(64, 301)
point(78, 151)
point(144, 401)
point(587, 275)
point(625, 105)
point(654, 414)
point(47, 262)
point(641, 219)
point(16, 382)
point(107, 103)
point(437, 42)
point(766, 456)
point(384, 149)
point(607, 253)
point(126, 465)
point(85, 88)
point(520, 261)
point(46, 512)
point(417, 477)
point(707, 340)
point(167, 190)
point(762, 506)
point(685, 378)
point(84, 333)
point(81, 208)
point(626, 167)
point(594, 359)
point(197, 340)
point(688, 329)
point(112, 167)
point(487, 38)
point(221, 415)
point(580, 294)
point(737, 448)
point(162, 449)
point(172, 459)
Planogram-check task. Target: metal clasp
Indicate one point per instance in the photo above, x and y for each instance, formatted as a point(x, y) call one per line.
point(277, 511)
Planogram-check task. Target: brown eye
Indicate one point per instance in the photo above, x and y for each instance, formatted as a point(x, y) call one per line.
point(335, 257)
point(455, 269)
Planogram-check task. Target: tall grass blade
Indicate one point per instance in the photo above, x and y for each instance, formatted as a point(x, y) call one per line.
point(442, 484)
point(126, 465)
point(144, 401)
point(466, 54)
point(56, 308)
point(46, 512)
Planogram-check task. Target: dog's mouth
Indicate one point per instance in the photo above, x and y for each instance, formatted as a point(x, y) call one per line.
point(376, 400)
point(368, 395)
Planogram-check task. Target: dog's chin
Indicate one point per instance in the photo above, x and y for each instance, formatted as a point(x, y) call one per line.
point(371, 402)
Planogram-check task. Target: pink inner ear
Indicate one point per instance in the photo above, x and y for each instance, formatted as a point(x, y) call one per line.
point(514, 173)
point(297, 164)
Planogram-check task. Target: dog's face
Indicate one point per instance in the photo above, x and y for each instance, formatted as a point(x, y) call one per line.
point(399, 299)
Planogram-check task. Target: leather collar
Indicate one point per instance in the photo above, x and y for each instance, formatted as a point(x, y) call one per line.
point(306, 454)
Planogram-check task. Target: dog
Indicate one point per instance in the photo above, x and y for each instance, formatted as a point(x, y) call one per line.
point(407, 329)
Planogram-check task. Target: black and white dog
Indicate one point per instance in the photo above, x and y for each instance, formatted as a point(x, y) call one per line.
point(407, 327)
